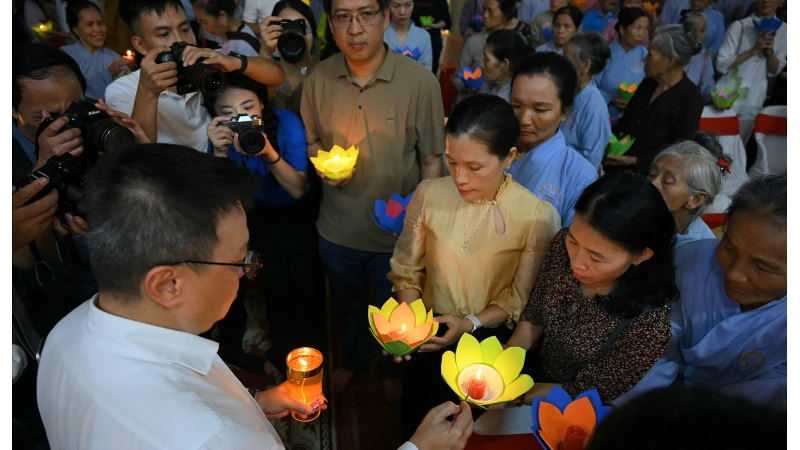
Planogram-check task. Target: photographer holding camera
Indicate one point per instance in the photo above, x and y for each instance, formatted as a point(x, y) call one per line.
point(162, 96)
point(289, 34)
point(216, 17)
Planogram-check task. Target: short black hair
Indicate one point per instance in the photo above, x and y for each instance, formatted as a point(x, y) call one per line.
point(627, 16)
point(215, 7)
point(488, 119)
point(572, 12)
point(327, 5)
point(510, 45)
point(74, 9)
point(35, 62)
point(151, 204)
point(303, 9)
point(627, 209)
point(132, 11)
point(690, 418)
point(764, 195)
point(557, 68)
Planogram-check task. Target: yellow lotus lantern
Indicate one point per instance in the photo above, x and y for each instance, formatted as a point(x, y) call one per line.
point(483, 373)
point(401, 328)
point(336, 164)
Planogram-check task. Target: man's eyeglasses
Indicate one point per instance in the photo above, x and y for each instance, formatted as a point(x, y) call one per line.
point(249, 265)
point(343, 20)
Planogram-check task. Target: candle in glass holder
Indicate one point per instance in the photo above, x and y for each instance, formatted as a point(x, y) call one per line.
point(304, 374)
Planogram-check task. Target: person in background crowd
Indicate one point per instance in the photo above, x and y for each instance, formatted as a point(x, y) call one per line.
point(504, 223)
point(689, 176)
point(468, 22)
point(733, 10)
point(544, 21)
point(677, 416)
point(530, 9)
point(502, 54)
point(566, 22)
point(149, 95)
point(287, 95)
point(729, 328)
point(403, 33)
point(61, 12)
point(715, 24)
point(256, 11)
point(440, 11)
point(542, 94)
point(757, 58)
point(344, 99)
point(596, 20)
point(701, 67)
point(98, 64)
point(291, 282)
point(497, 15)
point(666, 107)
point(671, 11)
point(216, 17)
point(610, 32)
point(627, 59)
point(599, 310)
point(587, 129)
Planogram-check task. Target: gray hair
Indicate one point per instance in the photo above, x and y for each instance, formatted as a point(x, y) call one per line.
point(690, 21)
point(673, 40)
point(700, 166)
point(592, 46)
point(762, 195)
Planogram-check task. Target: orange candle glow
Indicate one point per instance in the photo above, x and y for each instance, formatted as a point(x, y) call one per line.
point(398, 335)
point(129, 55)
point(477, 386)
point(304, 374)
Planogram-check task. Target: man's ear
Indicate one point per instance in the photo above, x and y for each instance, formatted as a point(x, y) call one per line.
point(164, 285)
point(138, 45)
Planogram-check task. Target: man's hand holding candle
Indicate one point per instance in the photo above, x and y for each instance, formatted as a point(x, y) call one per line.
point(278, 402)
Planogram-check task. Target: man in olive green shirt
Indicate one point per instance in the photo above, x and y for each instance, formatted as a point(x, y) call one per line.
point(390, 108)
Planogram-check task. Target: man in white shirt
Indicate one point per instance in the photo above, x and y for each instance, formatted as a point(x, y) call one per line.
point(255, 11)
point(168, 243)
point(149, 95)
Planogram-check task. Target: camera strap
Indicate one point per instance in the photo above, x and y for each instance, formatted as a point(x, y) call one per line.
point(46, 279)
point(26, 334)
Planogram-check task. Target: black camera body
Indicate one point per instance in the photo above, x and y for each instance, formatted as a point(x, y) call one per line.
point(209, 80)
point(292, 42)
point(67, 172)
point(249, 128)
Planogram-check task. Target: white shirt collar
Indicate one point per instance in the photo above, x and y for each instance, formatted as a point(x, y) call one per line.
point(152, 343)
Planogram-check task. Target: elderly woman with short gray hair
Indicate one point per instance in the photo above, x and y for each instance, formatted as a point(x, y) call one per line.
point(666, 106)
point(689, 176)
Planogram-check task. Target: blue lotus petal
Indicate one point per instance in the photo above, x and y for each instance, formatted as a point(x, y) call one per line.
point(380, 207)
point(548, 34)
point(391, 224)
point(559, 398)
point(600, 411)
point(766, 26)
point(399, 199)
point(535, 415)
point(408, 198)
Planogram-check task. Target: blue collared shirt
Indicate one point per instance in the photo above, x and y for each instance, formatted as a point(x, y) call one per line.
point(696, 231)
point(416, 38)
point(587, 129)
point(621, 68)
point(715, 30)
point(701, 71)
point(549, 47)
point(555, 173)
point(594, 22)
point(94, 67)
point(292, 143)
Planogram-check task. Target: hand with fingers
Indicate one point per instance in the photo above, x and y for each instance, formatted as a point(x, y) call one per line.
point(124, 120)
point(55, 141)
point(30, 220)
point(456, 327)
point(437, 433)
point(75, 225)
point(192, 55)
point(220, 136)
point(118, 66)
point(341, 182)
point(156, 77)
point(278, 402)
point(270, 33)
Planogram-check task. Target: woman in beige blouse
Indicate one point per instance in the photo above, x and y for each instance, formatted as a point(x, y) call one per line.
point(471, 246)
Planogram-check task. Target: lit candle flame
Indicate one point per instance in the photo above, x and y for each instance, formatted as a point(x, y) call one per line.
point(42, 26)
point(130, 53)
point(403, 328)
point(478, 375)
point(303, 363)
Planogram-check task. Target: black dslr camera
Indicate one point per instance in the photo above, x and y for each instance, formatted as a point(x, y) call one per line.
point(251, 141)
point(67, 172)
point(292, 43)
point(207, 79)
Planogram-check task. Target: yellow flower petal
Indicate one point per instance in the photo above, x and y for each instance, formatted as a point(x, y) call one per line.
point(517, 387)
point(370, 311)
point(509, 363)
point(419, 312)
point(450, 371)
point(490, 349)
point(388, 307)
point(468, 352)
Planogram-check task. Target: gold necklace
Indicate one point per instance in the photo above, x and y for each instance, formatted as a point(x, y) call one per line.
point(466, 240)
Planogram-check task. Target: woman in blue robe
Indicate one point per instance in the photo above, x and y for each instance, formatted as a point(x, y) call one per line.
point(404, 37)
point(627, 59)
point(729, 326)
point(587, 129)
point(689, 175)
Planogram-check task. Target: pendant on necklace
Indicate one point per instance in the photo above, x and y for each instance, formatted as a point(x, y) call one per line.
point(464, 248)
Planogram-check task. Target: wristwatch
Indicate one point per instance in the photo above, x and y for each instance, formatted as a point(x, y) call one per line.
point(243, 59)
point(476, 323)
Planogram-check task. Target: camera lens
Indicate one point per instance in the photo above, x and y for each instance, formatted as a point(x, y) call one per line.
point(208, 79)
point(104, 135)
point(251, 141)
point(292, 45)
point(114, 138)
